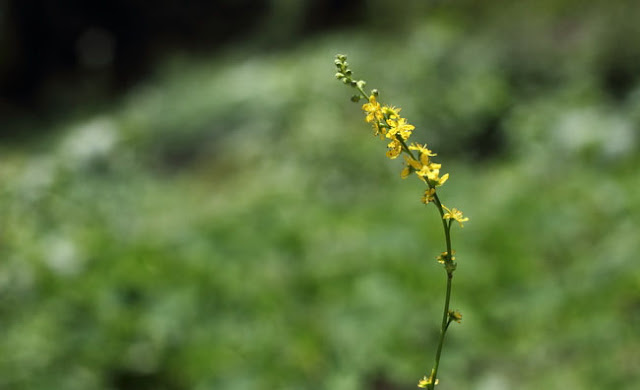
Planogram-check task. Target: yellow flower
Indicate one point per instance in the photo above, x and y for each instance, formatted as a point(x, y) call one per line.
point(372, 108)
point(401, 127)
point(454, 214)
point(411, 165)
point(431, 171)
point(424, 382)
point(391, 112)
point(429, 196)
point(395, 148)
point(422, 149)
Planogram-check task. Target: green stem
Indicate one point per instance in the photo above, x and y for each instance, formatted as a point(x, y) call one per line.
point(445, 315)
point(363, 93)
point(443, 331)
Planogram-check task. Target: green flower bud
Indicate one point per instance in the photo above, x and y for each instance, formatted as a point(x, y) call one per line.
point(374, 92)
point(450, 266)
point(361, 83)
point(338, 63)
point(355, 98)
point(341, 57)
point(339, 75)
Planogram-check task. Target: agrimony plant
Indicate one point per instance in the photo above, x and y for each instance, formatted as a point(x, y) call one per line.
point(396, 131)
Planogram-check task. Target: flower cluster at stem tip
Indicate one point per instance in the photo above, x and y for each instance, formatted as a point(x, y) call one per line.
point(391, 127)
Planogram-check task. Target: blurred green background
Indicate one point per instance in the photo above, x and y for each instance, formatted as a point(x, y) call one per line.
point(225, 220)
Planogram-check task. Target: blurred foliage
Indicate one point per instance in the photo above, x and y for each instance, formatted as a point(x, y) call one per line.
point(231, 223)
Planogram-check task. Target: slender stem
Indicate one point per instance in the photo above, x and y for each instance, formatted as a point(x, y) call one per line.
point(405, 147)
point(362, 92)
point(445, 315)
point(436, 200)
point(443, 331)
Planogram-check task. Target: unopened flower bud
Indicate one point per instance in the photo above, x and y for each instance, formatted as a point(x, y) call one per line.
point(374, 92)
point(339, 75)
point(355, 98)
point(361, 83)
point(455, 315)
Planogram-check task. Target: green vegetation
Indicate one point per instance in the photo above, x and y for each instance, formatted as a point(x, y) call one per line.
point(218, 229)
